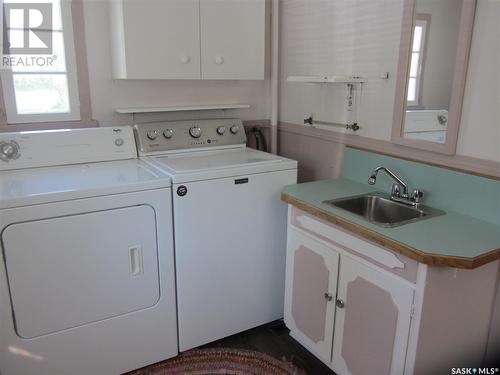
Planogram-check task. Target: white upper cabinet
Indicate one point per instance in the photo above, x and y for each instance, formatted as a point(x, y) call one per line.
point(163, 39)
point(154, 39)
point(232, 39)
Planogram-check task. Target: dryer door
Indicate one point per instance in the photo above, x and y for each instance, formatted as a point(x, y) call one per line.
point(68, 271)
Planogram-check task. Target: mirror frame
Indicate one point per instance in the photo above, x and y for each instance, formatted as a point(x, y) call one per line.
point(458, 85)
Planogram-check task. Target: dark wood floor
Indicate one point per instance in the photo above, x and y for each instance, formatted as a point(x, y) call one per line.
point(274, 340)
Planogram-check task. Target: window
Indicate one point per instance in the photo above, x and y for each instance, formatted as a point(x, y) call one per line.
point(417, 57)
point(40, 87)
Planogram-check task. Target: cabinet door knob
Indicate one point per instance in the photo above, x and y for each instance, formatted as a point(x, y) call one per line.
point(185, 59)
point(219, 60)
point(328, 296)
point(339, 303)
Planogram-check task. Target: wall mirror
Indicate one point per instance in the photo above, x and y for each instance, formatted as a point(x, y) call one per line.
point(435, 44)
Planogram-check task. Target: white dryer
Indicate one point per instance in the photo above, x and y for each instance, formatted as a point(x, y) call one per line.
point(229, 223)
point(87, 280)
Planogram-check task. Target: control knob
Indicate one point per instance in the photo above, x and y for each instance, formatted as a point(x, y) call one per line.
point(195, 132)
point(168, 133)
point(9, 150)
point(152, 134)
point(221, 130)
point(234, 129)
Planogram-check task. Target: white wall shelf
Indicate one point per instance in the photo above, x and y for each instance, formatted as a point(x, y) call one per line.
point(326, 79)
point(335, 79)
point(182, 108)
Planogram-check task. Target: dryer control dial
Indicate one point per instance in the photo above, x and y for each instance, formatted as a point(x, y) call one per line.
point(9, 150)
point(234, 129)
point(152, 134)
point(195, 132)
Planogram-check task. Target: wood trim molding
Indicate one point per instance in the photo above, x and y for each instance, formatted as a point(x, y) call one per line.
point(3, 112)
point(86, 120)
point(459, 163)
point(81, 62)
point(426, 17)
point(391, 244)
point(403, 66)
point(458, 86)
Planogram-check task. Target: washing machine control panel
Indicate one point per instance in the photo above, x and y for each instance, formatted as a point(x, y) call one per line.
point(156, 137)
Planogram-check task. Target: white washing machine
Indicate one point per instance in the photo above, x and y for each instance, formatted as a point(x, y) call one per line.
point(229, 224)
point(87, 281)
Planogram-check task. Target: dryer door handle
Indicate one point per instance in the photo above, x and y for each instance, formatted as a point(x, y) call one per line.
point(135, 254)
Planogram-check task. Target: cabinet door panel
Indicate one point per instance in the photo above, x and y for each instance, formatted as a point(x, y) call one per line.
point(232, 39)
point(311, 272)
point(371, 330)
point(161, 39)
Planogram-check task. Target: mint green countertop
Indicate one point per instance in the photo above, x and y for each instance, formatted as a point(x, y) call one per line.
point(453, 236)
point(463, 193)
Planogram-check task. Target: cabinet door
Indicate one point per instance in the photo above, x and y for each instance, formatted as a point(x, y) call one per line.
point(159, 39)
point(372, 326)
point(311, 282)
point(232, 39)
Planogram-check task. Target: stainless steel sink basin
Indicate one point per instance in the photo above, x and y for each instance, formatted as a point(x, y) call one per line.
point(379, 209)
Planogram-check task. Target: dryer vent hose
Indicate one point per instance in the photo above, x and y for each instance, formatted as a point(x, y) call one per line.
point(260, 139)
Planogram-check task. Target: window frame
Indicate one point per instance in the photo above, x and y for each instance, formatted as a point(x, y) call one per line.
point(80, 114)
point(423, 20)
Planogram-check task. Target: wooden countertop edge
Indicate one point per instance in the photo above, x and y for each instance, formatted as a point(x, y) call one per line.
point(422, 257)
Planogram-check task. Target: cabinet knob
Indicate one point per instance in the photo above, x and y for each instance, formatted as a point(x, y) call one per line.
point(185, 59)
point(219, 60)
point(328, 296)
point(339, 303)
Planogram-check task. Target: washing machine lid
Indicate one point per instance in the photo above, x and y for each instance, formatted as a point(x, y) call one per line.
point(202, 165)
point(31, 186)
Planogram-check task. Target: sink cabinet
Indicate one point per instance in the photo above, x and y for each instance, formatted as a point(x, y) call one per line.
point(353, 317)
point(363, 309)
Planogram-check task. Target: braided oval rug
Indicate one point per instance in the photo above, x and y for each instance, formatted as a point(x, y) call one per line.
point(221, 362)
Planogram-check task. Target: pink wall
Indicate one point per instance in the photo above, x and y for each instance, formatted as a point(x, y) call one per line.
point(455, 318)
point(318, 159)
point(362, 37)
point(493, 351)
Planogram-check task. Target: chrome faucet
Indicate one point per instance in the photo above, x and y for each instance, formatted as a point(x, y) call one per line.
point(399, 190)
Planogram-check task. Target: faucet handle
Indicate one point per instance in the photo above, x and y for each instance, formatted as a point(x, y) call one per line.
point(417, 195)
point(395, 190)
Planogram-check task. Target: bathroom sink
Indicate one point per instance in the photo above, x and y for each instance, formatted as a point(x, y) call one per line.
point(379, 209)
